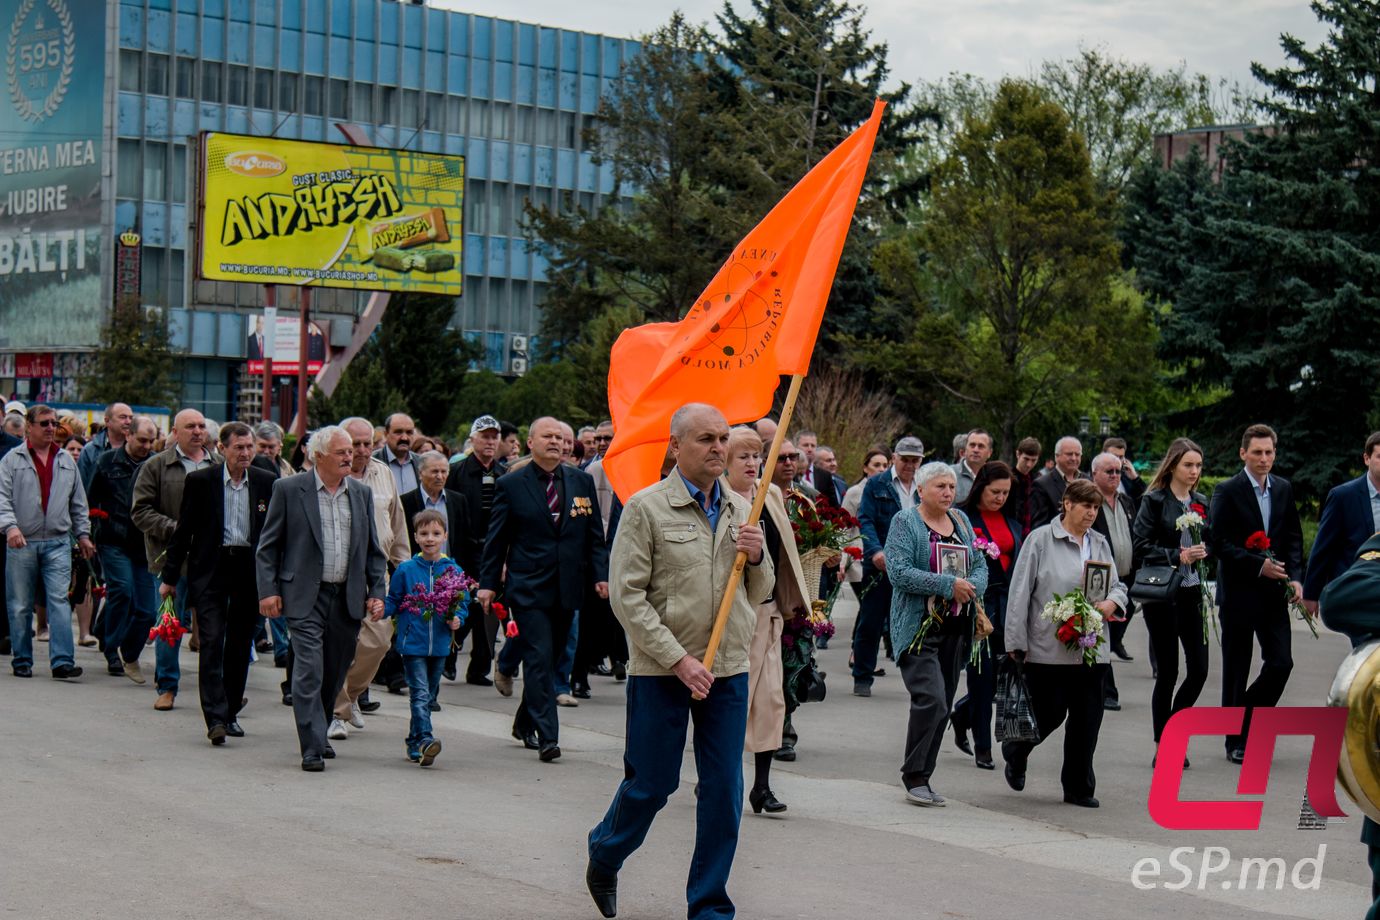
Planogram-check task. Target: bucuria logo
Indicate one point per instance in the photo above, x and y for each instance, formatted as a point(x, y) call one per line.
point(742, 334)
point(40, 57)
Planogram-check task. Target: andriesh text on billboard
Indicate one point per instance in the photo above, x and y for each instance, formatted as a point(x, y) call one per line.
point(294, 212)
point(50, 172)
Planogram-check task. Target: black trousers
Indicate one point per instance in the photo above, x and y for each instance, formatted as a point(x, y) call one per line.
point(228, 613)
point(1173, 625)
point(323, 645)
point(931, 677)
point(543, 634)
point(482, 630)
point(601, 636)
point(1059, 694)
point(974, 711)
point(1241, 625)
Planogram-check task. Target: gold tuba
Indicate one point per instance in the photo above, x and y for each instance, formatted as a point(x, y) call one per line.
point(1357, 687)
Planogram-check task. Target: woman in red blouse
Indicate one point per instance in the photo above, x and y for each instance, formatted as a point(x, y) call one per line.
point(1000, 536)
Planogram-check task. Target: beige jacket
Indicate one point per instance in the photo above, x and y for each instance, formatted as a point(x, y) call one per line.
point(388, 514)
point(667, 574)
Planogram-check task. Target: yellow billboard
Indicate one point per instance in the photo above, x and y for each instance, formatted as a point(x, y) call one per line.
point(334, 215)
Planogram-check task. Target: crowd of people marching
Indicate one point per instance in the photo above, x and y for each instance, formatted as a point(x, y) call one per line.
point(377, 553)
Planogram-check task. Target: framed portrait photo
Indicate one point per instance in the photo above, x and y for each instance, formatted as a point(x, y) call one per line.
point(953, 559)
point(1097, 580)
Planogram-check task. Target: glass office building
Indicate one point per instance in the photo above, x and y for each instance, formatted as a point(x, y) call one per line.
point(511, 97)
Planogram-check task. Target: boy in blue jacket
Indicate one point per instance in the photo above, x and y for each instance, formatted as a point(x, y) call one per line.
point(423, 632)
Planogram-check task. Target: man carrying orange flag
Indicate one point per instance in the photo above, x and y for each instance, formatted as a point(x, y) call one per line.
point(676, 558)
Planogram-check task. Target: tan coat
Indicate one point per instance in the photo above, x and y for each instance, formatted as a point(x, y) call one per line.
point(766, 683)
point(667, 574)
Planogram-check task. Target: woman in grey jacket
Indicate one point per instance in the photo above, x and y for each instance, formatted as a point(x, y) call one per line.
point(1062, 687)
point(932, 616)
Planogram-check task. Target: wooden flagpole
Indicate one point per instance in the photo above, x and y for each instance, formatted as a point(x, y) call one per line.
point(740, 562)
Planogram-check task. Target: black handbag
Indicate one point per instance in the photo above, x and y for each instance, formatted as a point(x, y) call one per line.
point(1015, 716)
point(1156, 584)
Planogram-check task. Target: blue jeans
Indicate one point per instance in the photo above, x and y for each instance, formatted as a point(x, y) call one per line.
point(872, 616)
point(659, 709)
point(130, 602)
point(51, 561)
point(565, 663)
point(168, 670)
point(423, 673)
point(278, 630)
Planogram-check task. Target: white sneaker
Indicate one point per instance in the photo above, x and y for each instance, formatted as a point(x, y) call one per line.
point(565, 699)
point(356, 717)
point(337, 731)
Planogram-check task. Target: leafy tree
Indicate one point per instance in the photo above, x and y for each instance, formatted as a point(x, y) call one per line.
point(1275, 275)
point(1016, 311)
point(135, 363)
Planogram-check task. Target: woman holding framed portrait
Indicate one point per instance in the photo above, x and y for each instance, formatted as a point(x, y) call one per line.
point(1065, 682)
point(999, 537)
point(937, 574)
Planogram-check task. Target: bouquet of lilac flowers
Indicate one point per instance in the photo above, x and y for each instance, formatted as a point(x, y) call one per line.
point(449, 597)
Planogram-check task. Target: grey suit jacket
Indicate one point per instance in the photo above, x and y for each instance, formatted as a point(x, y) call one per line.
point(289, 558)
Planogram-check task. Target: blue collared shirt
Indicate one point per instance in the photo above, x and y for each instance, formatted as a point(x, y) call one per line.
point(438, 505)
point(1262, 498)
point(715, 500)
point(1374, 503)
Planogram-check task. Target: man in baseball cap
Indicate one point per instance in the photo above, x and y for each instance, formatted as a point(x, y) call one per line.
point(475, 477)
point(910, 446)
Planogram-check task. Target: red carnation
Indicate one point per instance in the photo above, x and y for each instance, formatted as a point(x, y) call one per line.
point(1258, 542)
point(1068, 632)
point(96, 514)
point(1198, 509)
point(853, 551)
point(816, 527)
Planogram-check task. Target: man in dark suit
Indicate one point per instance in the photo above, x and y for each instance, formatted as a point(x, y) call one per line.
point(1252, 588)
point(1047, 493)
point(546, 528)
point(319, 562)
point(476, 478)
point(218, 526)
point(399, 430)
point(1349, 517)
point(434, 496)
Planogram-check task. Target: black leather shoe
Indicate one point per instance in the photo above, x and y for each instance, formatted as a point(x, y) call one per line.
point(448, 673)
point(398, 687)
point(620, 670)
point(23, 670)
point(1083, 801)
point(528, 739)
point(66, 672)
point(287, 699)
point(961, 740)
point(1120, 652)
point(580, 693)
point(983, 759)
point(1236, 755)
point(367, 705)
point(115, 670)
point(234, 730)
point(764, 800)
point(313, 764)
point(480, 681)
point(785, 754)
point(328, 752)
point(549, 751)
point(1111, 705)
point(217, 734)
point(1013, 779)
point(603, 888)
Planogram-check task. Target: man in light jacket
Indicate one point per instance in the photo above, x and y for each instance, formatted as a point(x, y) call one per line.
point(672, 558)
point(42, 503)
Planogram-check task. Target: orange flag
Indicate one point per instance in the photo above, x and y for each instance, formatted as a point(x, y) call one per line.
point(757, 320)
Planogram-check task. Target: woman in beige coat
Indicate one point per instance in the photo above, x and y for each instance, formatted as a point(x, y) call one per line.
point(766, 690)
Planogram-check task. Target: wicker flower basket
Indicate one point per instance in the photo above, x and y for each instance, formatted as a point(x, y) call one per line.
point(812, 561)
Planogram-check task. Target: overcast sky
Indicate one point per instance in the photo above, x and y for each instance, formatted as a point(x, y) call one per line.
point(990, 38)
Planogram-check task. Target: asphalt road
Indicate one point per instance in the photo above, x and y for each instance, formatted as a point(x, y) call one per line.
point(110, 809)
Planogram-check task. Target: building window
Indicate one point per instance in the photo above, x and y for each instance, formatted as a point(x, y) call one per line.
point(210, 81)
point(567, 132)
point(476, 214)
point(155, 171)
point(263, 89)
point(364, 103)
point(179, 173)
point(176, 283)
point(131, 72)
point(435, 112)
point(186, 78)
point(411, 116)
point(502, 128)
point(479, 118)
point(455, 115)
point(129, 179)
point(388, 105)
point(287, 92)
point(312, 89)
point(151, 280)
point(237, 84)
point(340, 99)
point(546, 127)
point(523, 132)
point(158, 74)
